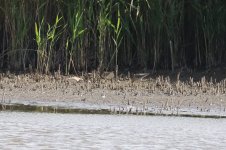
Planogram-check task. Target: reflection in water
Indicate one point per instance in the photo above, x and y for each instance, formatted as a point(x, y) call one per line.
point(70, 131)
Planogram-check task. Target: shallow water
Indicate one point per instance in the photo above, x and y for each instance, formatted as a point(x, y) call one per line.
point(20, 130)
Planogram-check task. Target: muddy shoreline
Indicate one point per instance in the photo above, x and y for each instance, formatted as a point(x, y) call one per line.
point(141, 94)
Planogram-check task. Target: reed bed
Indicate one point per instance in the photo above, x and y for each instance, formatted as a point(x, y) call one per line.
point(84, 35)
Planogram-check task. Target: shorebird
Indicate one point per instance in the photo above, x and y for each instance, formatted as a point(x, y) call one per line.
point(103, 95)
point(83, 99)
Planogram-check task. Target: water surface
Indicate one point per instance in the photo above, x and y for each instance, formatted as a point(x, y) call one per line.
point(20, 130)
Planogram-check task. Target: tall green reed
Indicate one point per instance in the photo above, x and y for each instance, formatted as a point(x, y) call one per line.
point(46, 41)
point(76, 30)
point(17, 28)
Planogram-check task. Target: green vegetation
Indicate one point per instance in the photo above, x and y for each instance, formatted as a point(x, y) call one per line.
point(83, 35)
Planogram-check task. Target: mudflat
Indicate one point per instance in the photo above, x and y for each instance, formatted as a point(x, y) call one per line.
point(141, 93)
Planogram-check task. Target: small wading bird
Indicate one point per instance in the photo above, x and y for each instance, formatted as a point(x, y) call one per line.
point(103, 95)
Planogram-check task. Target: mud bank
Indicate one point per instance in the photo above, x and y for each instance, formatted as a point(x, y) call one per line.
point(143, 94)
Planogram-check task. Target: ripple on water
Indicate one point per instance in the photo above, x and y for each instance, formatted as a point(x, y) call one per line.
point(69, 131)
